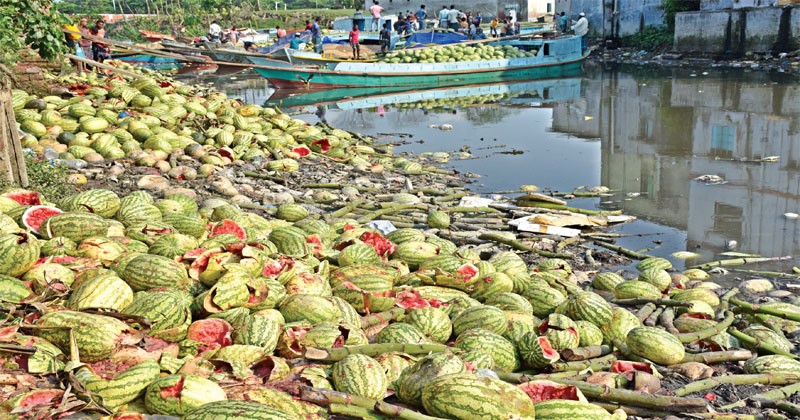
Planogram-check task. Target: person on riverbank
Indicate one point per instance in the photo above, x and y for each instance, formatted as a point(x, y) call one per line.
point(581, 28)
point(316, 35)
point(444, 15)
point(281, 32)
point(385, 38)
point(493, 27)
point(84, 42)
point(421, 16)
point(100, 51)
point(214, 32)
point(452, 18)
point(375, 10)
point(354, 43)
point(72, 38)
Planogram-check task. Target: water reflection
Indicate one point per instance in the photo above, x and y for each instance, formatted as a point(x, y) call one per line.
point(660, 131)
point(634, 131)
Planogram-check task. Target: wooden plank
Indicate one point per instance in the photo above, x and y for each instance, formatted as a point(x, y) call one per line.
point(13, 159)
point(105, 66)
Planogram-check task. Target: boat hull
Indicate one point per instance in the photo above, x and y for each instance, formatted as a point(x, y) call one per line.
point(559, 57)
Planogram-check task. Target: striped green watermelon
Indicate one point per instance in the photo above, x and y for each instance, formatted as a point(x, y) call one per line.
point(588, 306)
point(172, 245)
point(433, 322)
point(485, 286)
point(13, 290)
point(18, 253)
point(75, 226)
point(290, 241)
point(502, 351)
point(97, 336)
point(606, 281)
point(636, 290)
point(225, 410)
point(510, 302)
point(654, 263)
point(656, 345)
point(438, 219)
point(313, 309)
point(104, 291)
point(358, 253)
point(104, 203)
point(147, 271)
point(34, 217)
point(412, 380)
point(561, 331)
point(291, 212)
point(124, 387)
point(406, 235)
point(189, 224)
point(536, 352)
point(622, 321)
point(415, 253)
point(543, 299)
point(590, 334)
point(401, 333)
point(177, 395)
point(569, 410)
point(167, 310)
point(486, 317)
point(657, 277)
point(360, 375)
point(698, 293)
point(468, 396)
point(773, 363)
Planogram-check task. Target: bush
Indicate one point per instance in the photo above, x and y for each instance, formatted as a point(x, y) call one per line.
point(652, 38)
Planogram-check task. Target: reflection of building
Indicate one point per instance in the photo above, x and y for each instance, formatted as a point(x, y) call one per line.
point(659, 133)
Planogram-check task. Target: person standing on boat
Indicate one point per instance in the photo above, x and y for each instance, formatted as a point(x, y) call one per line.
point(214, 32)
point(385, 38)
point(354, 43)
point(316, 35)
point(581, 28)
point(376, 10)
point(444, 17)
point(563, 24)
point(452, 18)
point(421, 16)
point(281, 32)
point(493, 27)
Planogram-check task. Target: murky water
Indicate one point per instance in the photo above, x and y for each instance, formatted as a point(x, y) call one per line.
point(645, 134)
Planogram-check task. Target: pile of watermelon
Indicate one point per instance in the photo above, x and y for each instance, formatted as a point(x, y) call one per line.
point(160, 306)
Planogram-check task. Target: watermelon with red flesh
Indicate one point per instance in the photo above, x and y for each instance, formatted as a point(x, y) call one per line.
point(543, 390)
point(212, 332)
point(383, 246)
point(228, 226)
point(24, 197)
point(323, 144)
point(302, 151)
point(34, 216)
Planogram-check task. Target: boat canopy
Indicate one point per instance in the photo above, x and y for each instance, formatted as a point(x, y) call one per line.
point(435, 37)
point(284, 41)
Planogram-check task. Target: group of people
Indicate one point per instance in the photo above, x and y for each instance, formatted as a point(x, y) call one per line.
point(217, 34)
point(82, 41)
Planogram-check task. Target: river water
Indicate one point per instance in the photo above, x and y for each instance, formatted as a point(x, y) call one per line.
point(644, 133)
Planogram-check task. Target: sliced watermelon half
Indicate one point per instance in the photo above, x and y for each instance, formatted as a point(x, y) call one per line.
point(25, 197)
point(302, 151)
point(34, 216)
point(543, 390)
point(212, 332)
point(230, 227)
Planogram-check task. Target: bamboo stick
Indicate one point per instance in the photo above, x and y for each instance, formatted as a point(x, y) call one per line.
point(764, 378)
point(666, 320)
point(708, 332)
point(711, 357)
point(520, 246)
point(642, 301)
point(751, 307)
point(585, 353)
point(328, 397)
point(739, 261)
point(597, 364)
point(381, 317)
point(624, 251)
point(784, 406)
point(653, 318)
point(780, 393)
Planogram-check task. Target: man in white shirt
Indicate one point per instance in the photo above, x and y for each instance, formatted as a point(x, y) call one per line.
point(452, 18)
point(443, 17)
point(214, 31)
point(581, 28)
point(375, 10)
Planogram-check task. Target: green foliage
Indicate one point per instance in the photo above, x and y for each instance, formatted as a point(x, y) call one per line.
point(33, 23)
point(652, 38)
point(671, 7)
point(47, 178)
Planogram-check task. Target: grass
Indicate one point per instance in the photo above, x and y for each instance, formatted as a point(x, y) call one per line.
point(45, 178)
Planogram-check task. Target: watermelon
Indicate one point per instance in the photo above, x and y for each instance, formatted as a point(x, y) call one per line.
point(413, 379)
point(655, 344)
point(177, 395)
point(360, 375)
point(24, 197)
point(468, 396)
point(34, 216)
point(238, 409)
point(228, 226)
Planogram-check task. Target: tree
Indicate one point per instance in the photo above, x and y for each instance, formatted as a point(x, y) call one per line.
point(32, 23)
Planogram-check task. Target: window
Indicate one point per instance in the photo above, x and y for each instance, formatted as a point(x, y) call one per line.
point(549, 7)
point(723, 139)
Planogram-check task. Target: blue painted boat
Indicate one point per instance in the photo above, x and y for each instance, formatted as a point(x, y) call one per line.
point(554, 57)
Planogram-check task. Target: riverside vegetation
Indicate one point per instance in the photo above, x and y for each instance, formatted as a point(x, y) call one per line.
point(215, 258)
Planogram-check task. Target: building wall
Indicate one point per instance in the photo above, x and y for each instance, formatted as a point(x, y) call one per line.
point(631, 16)
point(486, 7)
point(735, 4)
point(732, 33)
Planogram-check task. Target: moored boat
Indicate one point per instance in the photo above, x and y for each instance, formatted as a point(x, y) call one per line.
point(554, 56)
point(155, 36)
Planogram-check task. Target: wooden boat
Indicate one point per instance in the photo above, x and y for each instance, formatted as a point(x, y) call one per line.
point(155, 36)
point(554, 57)
point(531, 93)
point(308, 58)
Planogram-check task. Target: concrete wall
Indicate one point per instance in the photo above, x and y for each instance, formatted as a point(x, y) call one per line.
point(732, 33)
point(631, 17)
point(735, 4)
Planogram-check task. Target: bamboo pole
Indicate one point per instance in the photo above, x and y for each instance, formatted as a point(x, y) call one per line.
point(760, 345)
point(708, 332)
point(336, 354)
point(739, 261)
point(764, 378)
point(711, 357)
